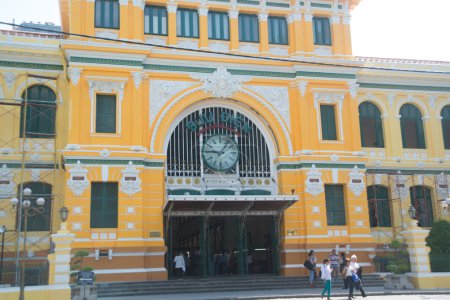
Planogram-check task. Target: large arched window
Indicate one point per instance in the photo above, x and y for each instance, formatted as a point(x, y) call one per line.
point(421, 200)
point(379, 208)
point(445, 114)
point(412, 127)
point(370, 125)
point(38, 221)
point(40, 112)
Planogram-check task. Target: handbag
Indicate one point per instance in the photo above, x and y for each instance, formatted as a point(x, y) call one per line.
point(355, 278)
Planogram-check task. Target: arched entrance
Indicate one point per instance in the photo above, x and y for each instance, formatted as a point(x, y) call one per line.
point(223, 210)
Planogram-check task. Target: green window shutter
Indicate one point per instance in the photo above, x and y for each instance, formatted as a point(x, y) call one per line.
point(278, 33)
point(105, 114)
point(328, 121)
point(322, 31)
point(370, 124)
point(104, 204)
point(445, 114)
point(379, 206)
point(40, 112)
point(187, 23)
point(248, 28)
point(218, 26)
point(155, 20)
point(413, 136)
point(107, 14)
point(39, 221)
point(421, 200)
point(334, 197)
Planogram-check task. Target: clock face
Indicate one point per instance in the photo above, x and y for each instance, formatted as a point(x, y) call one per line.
point(220, 152)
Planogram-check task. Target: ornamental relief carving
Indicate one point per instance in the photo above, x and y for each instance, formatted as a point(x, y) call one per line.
point(7, 187)
point(356, 183)
point(78, 181)
point(130, 183)
point(314, 183)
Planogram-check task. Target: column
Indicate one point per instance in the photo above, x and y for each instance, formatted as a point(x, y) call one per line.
point(124, 19)
point(308, 33)
point(347, 35)
point(172, 27)
point(137, 13)
point(87, 19)
point(59, 269)
point(296, 38)
point(203, 16)
point(234, 30)
point(337, 38)
point(263, 33)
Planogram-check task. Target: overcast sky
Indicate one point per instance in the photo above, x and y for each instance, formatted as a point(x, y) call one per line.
point(416, 29)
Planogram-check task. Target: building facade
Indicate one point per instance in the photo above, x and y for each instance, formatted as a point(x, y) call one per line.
point(209, 126)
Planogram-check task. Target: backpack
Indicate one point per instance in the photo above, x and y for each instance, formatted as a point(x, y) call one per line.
point(308, 265)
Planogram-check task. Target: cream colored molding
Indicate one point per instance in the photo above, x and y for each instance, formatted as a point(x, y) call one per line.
point(137, 78)
point(108, 85)
point(323, 50)
point(377, 101)
point(219, 47)
point(308, 17)
point(233, 13)
point(10, 79)
point(188, 44)
point(391, 98)
point(432, 100)
point(281, 51)
point(410, 99)
point(294, 17)
point(156, 41)
point(262, 16)
point(108, 34)
point(203, 11)
point(33, 81)
point(353, 88)
point(249, 49)
point(221, 83)
point(74, 75)
point(139, 3)
point(346, 19)
point(172, 7)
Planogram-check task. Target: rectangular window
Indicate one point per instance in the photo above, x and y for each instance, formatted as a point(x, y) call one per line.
point(104, 204)
point(334, 197)
point(248, 28)
point(322, 32)
point(155, 20)
point(328, 121)
point(278, 33)
point(105, 118)
point(218, 26)
point(187, 23)
point(107, 14)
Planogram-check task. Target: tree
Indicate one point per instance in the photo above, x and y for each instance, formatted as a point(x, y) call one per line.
point(439, 238)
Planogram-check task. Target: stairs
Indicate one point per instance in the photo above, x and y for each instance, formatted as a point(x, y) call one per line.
point(216, 284)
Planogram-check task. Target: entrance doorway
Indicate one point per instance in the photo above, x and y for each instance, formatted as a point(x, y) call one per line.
point(224, 245)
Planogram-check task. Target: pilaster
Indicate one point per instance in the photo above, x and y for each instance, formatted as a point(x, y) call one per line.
point(203, 16)
point(336, 34)
point(263, 33)
point(172, 24)
point(124, 19)
point(234, 29)
point(418, 251)
point(347, 35)
point(137, 13)
point(59, 269)
point(308, 33)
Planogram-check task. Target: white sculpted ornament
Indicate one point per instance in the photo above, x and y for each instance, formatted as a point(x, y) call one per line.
point(78, 181)
point(314, 183)
point(221, 83)
point(356, 183)
point(130, 183)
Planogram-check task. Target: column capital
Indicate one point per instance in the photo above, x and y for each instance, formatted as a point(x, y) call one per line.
point(233, 13)
point(123, 2)
point(203, 11)
point(335, 19)
point(346, 19)
point(139, 3)
point(308, 17)
point(262, 16)
point(172, 8)
point(294, 17)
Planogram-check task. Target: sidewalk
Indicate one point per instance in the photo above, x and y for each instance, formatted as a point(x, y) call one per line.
point(283, 294)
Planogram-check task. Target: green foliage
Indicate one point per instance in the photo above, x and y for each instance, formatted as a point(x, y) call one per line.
point(439, 238)
point(397, 260)
point(77, 263)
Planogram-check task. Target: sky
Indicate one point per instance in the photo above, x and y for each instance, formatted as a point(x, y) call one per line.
point(410, 29)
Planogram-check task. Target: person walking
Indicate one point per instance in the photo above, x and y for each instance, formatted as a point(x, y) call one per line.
point(334, 265)
point(358, 271)
point(353, 282)
point(326, 276)
point(312, 271)
point(180, 265)
point(342, 261)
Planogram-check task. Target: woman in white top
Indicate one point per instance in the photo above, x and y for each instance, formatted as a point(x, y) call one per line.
point(358, 270)
point(180, 264)
point(326, 276)
point(348, 272)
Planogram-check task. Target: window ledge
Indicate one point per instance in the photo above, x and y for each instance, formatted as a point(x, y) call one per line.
point(106, 135)
point(249, 47)
point(279, 50)
point(323, 50)
point(331, 142)
point(108, 33)
point(160, 40)
point(219, 45)
point(188, 43)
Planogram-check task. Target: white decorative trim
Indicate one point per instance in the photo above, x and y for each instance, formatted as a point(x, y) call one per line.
point(314, 183)
point(432, 100)
point(356, 182)
point(400, 187)
point(7, 190)
point(130, 183)
point(219, 47)
point(161, 91)
point(105, 86)
point(335, 20)
point(410, 99)
point(10, 79)
point(203, 11)
point(78, 186)
point(302, 86)
point(221, 83)
point(156, 41)
point(171, 8)
point(323, 50)
point(123, 2)
point(262, 16)
point(294, 17)
point(74, 75)
point(377, 101)
point(188, 44)
point(308, 17)
point(31, 81)
point(353, 88)
point(281, 51)
point(139, 3)
point(346, 20)
point(105, 153)
point(249, 49)
point(107, 34)
point(137, 78)
point(278, 97)
point(233, 13)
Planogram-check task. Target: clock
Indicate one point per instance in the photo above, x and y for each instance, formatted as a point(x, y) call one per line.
point(220, 152)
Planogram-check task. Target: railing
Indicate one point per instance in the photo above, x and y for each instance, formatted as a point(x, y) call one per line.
point(440, 262)
point(36, 273)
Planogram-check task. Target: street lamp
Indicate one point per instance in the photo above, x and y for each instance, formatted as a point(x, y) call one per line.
point(412, 212)
point(3, 232)
point(28, 209)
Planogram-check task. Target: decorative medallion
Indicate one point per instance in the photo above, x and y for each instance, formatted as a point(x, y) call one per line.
point(78, 181)
point(356, 183)
point(221, 83)
point(314, 183)
point(130, 183)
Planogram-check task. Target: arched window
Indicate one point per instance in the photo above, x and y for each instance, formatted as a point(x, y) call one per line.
point(40, 113)
point(370, 125)
point(379, 207)
point(421, 200)
point(38, 221)
point(412, 127)
point(445, 114)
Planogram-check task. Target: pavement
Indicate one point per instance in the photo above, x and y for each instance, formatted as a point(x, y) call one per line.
point(374, 293)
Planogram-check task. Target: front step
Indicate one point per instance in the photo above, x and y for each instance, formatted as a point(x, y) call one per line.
point(216, 284)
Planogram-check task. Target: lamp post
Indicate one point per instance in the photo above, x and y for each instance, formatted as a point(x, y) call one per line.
point(3, 232)
point(28, 209)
